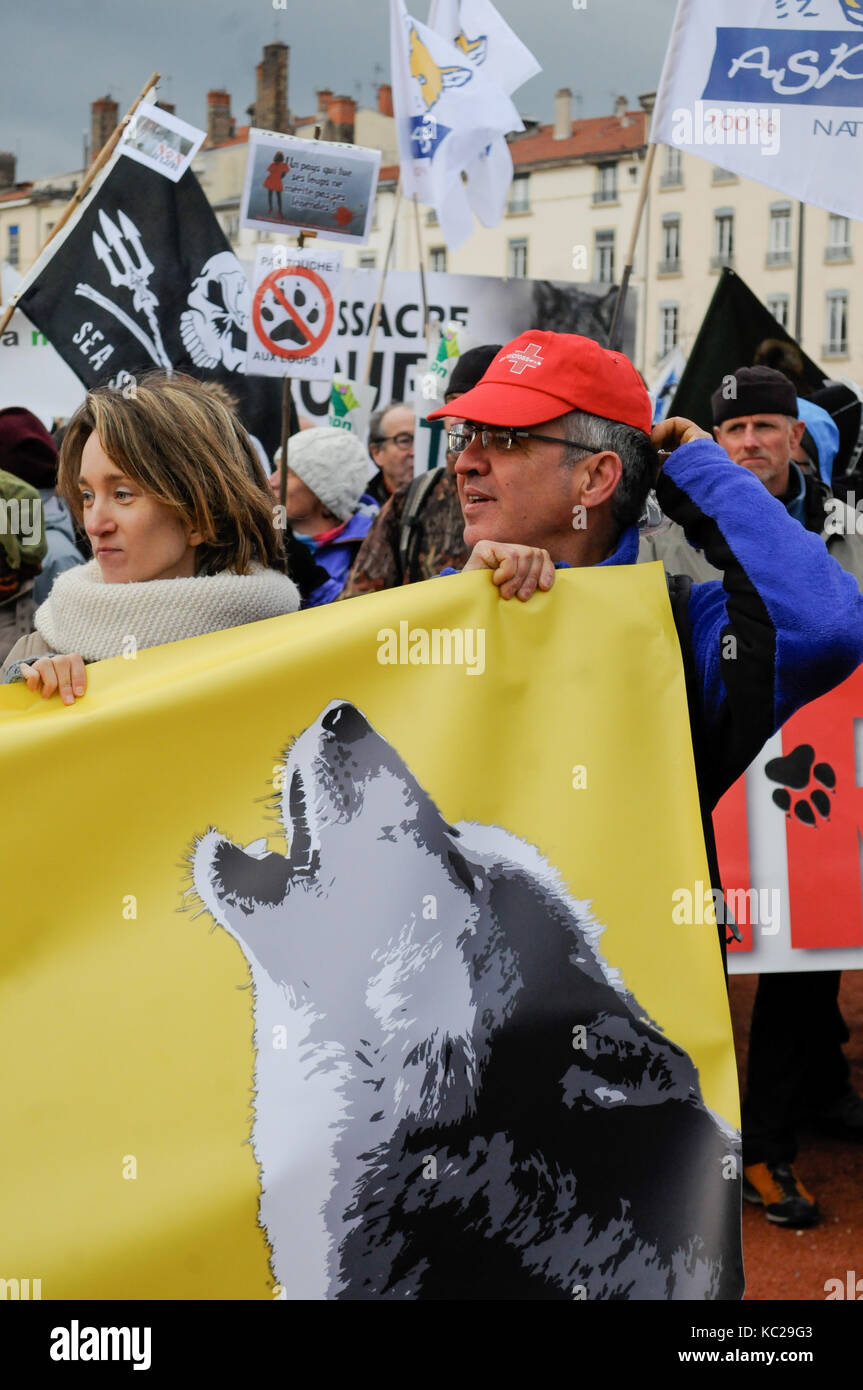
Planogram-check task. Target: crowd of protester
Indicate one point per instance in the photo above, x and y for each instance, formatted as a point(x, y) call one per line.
point(156, 517)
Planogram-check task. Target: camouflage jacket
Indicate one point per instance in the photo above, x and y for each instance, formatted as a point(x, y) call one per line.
point(439, 542)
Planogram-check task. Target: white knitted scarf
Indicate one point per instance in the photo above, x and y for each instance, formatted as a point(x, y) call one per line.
point(84, 614)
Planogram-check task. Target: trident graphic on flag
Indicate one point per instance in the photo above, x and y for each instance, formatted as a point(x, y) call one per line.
point(127, 263)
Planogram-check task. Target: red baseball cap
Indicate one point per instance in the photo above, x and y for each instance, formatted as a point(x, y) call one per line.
point(541, 375)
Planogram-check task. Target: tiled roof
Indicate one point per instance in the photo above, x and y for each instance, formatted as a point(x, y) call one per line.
point(21, 190)
point(389, 173)
point(595, 136)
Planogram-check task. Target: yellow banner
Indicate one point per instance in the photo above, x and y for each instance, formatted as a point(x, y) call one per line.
point(310, 933)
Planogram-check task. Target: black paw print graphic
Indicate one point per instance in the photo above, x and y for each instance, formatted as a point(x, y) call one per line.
point(285, 328)
point(797, 773)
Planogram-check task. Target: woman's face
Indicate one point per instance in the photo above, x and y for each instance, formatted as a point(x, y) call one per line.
point(134, 535)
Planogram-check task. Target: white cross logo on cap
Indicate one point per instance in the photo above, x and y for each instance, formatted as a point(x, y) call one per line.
point(526, 357)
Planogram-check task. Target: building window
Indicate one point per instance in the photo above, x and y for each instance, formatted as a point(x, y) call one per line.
point(838, 239)
point(670, 263)
point(672, 169)
point(13, 252)
point(367, 260)
point(603, 258)
point(431, 218)
point(517, 260)
point(437, 258)
point(519, 194)
point(723, 176)
point(606, 184)
point(669, 321)
point(723, 238)
point(779, 241)
point(836, 338)
point(777, 305)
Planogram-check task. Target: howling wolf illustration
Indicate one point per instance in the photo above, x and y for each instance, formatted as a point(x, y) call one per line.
point(456, 1097)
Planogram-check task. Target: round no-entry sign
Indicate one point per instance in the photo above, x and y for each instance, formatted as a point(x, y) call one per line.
point(289, 287)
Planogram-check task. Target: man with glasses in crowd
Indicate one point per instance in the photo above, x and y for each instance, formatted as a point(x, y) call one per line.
point(555, 461)
point(391, 445)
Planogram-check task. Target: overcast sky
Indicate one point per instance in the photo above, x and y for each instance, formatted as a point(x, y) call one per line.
point(59, 58)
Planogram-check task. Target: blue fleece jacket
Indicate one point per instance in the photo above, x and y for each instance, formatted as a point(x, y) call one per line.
point(337, 556)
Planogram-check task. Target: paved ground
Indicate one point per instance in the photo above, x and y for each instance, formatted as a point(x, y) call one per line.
point(787, 1264)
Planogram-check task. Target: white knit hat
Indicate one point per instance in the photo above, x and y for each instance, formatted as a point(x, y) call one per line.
point(333, 464)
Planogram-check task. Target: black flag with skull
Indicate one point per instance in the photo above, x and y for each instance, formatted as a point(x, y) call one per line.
point(143, 277)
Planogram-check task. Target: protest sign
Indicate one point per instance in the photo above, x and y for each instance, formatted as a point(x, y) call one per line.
point(788, 835)
point(769, 89)
point(492, 310)
point(464, 970)
point(33, 375)
point(351, 405)
point(294, 295)
point(309, 185)
point(161, 141)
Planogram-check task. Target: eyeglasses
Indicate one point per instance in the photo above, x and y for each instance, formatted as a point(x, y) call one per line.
point(462, 436)
point(404, 441)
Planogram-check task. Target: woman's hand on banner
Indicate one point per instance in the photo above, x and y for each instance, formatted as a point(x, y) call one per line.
point(518, 569)
point(669, 434)
point(64, 674)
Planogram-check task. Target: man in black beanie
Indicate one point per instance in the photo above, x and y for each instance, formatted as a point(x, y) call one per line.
point(420, 530)
point(792, 1072)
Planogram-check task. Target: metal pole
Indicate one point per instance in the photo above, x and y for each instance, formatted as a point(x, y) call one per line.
point(617, 317)
point(798, 314)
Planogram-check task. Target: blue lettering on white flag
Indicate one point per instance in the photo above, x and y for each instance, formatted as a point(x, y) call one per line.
point(426, 134)
point(807, 68)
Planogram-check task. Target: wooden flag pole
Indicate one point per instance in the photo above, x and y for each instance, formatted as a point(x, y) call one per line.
point(78, 196)
point(422, 272)
point(617, 317)
point(376, 312)
point(286, 395)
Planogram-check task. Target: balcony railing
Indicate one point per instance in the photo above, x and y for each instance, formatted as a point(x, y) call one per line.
point(837, 253)
point(838, 348)
point(518, 205)
point(724, 176)
point(779, 257)
point(724, 258)
point(671, 181)
point(604, 195)
point(670, 267)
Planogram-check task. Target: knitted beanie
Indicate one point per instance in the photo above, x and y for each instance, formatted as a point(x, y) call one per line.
point(756, 391)
point(333, 464)
point(26, 447)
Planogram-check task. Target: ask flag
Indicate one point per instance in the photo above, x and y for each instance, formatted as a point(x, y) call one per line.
point(771, 90)
point(141, 278)
point(447, 113)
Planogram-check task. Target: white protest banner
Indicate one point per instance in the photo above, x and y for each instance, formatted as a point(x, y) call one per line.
point(491, 309)
point(294, 294)
point(161, 141)
point(309, 185)
point(447, 346)
point(351, 404)
point(769, 89)
point(34, 375)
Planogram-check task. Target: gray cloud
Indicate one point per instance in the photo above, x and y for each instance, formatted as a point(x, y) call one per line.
point(59, 58)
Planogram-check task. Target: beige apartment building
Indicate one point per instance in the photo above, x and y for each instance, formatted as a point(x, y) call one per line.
point(569, 216)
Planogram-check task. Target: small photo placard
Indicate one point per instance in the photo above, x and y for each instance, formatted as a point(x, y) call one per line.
point(295, 185)
point(156, 138)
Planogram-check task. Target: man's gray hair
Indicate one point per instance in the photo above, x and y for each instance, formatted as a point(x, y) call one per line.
point(633, 448)
point(377, 419)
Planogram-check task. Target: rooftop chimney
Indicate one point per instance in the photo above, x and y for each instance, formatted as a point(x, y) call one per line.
point(647, 101)
point(166, 106)
point(103, 119)
point(340, 119)
point(7, 169)
point(220, 122)
point(385, 99)
point(620, 110)
point(271, 100)
point(324, 98)
point(563, 114)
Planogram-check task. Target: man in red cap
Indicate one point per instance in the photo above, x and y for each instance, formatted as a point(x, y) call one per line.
point(555, 461)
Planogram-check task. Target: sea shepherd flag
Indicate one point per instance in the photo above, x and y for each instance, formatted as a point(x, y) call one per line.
point(478, 1058)
point(143, 277)
point(769, 89)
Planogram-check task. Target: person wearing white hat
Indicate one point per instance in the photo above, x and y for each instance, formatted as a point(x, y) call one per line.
point(326, 505)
